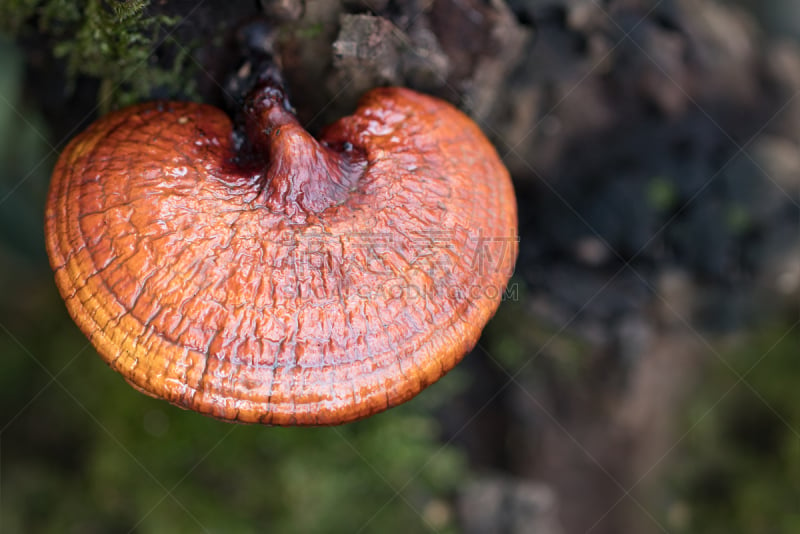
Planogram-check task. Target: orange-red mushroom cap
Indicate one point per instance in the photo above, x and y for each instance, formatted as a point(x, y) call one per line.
point(282, 280)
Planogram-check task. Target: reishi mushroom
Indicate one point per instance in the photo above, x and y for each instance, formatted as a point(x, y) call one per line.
point(273, 278)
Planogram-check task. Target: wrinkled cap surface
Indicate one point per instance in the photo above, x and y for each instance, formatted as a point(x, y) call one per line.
point(284, 281)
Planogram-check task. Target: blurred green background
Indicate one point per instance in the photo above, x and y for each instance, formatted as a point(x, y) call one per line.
point(82, 452)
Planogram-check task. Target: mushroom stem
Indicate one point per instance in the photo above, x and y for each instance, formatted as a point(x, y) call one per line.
point(301, 176)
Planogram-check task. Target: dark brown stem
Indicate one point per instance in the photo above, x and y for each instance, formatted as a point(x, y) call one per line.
point(302, 176)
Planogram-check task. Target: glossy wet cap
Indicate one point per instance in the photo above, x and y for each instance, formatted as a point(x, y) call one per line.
point(282, 280)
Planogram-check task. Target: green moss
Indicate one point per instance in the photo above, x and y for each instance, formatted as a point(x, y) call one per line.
point(661, 193)
point(738, 218)
point(310, 32)
point(740, 463)
point(14, 13)
point(515, 337)
point(113, 41)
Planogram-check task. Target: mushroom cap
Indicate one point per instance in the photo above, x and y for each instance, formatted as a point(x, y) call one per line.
point(282, 284)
